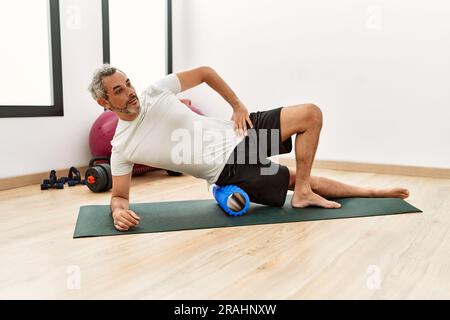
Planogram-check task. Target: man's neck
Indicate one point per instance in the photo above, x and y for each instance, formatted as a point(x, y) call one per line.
point(127, 117)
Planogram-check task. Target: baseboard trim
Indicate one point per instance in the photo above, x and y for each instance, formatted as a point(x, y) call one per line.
point(36, 178)
point(440, 173)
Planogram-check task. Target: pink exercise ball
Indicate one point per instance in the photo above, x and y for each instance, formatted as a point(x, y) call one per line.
point(102, 132)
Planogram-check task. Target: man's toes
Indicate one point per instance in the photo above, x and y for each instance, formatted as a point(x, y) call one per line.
point(333, 205)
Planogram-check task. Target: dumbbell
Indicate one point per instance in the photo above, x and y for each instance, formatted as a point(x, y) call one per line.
point(52, 182)
point(46, 186)
point(74, 177)
point(98, 176)
point(63, 180)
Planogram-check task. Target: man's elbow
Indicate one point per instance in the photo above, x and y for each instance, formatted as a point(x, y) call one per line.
point(206, 72)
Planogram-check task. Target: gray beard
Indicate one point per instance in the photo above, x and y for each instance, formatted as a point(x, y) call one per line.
point(124, 110)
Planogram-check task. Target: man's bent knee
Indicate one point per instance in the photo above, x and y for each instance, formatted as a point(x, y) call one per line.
point(314, 114)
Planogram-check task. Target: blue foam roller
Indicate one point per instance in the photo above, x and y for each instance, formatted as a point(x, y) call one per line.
point(229, 202)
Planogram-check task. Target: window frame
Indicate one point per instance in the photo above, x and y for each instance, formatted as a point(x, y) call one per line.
point(57, 108)
point(106, 38)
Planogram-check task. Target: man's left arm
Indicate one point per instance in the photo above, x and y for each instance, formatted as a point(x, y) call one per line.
point(192, 78)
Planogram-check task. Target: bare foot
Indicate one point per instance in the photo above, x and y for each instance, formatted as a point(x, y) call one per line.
point(401, 193)
point(302, 200)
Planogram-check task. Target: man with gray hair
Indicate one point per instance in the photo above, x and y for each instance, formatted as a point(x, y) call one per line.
point(156, 129)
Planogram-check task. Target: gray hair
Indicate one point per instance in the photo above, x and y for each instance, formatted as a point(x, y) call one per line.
point(96, 87)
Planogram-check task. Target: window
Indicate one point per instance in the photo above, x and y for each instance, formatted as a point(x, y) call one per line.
point(137, 39)
point(30, 81)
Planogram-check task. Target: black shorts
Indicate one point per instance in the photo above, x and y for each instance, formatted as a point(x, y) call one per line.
point(264, 181)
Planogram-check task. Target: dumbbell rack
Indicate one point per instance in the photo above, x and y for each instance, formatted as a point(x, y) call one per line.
point(98, 176)
point(73, 178)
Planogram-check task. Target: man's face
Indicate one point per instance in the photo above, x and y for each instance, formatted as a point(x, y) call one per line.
point(122, 97)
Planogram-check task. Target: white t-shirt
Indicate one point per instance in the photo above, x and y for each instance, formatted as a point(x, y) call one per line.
point(168, 135)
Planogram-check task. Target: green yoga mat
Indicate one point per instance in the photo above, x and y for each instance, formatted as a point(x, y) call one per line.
point(95, 220)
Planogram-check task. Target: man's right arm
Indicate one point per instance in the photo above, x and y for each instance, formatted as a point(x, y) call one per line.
point(124, 218)
point(118, 203)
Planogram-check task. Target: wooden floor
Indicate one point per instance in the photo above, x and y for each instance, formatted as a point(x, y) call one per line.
point(404, 256)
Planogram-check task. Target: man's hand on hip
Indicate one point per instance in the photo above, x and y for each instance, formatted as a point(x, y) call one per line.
point(241, 118)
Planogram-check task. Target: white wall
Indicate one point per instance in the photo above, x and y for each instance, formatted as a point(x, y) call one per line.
point(380, 70)
point(32, 145)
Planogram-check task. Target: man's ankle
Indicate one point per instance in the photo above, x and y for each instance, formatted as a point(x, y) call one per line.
point(303, 188)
